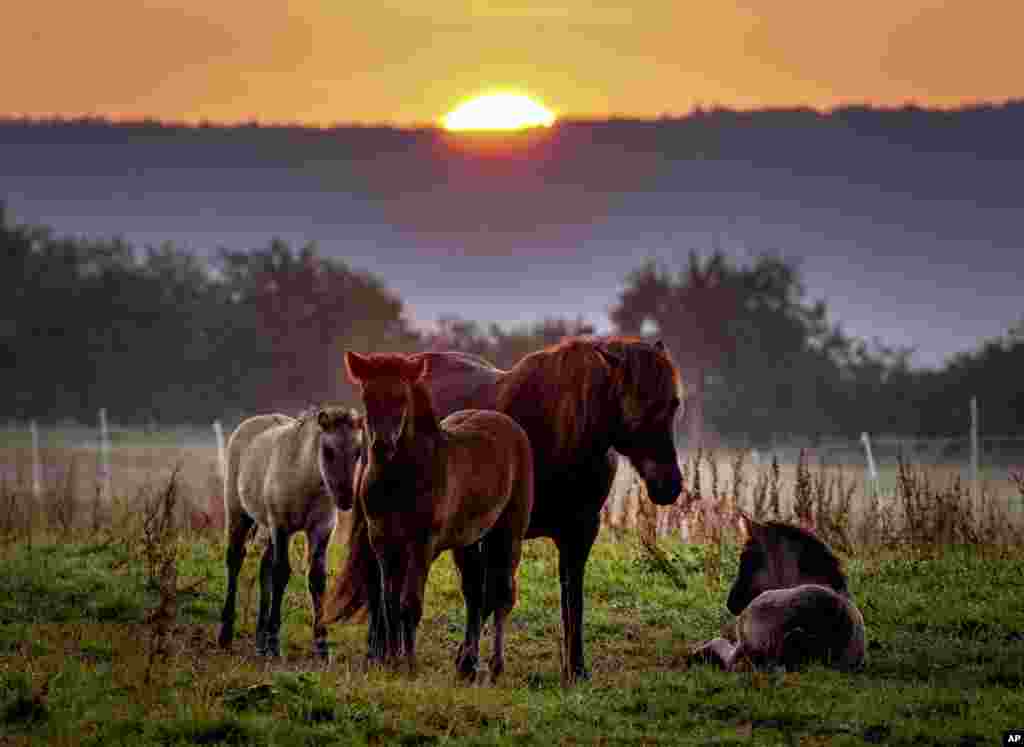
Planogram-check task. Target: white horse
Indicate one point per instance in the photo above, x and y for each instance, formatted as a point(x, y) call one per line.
point(274, 480)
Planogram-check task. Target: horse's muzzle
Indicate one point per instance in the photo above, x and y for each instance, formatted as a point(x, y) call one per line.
point(664, 482)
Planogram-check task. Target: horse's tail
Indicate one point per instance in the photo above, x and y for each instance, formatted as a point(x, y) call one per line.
point(348, 596)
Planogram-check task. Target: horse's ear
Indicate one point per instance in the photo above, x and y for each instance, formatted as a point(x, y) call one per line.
point(659, 345)
point(357, 366)
point(323, 419)
point(614, 360)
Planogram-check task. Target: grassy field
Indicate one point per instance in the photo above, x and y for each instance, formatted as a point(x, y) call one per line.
point(946, 659)
point(90, 655)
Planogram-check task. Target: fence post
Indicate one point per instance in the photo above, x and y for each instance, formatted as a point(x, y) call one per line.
point(872, 469)
point(222, 461)
point(216, 506)
point(975, 495)
point(104, 454)
point(37, 463)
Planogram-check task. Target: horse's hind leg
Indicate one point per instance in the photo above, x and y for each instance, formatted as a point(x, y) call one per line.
point(470, 562)
point(502, 551)
point(281, 573)
point(239, 526)
point(266, 593)
point(318, 540)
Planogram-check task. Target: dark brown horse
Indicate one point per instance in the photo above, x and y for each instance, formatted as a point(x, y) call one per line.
point(793, 604)
point(576, 400)
point(464, 484)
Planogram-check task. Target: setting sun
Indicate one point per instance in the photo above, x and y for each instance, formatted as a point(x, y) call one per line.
point(498, 111)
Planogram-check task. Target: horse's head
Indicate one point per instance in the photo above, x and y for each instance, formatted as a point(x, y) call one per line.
point(650, 395)
point(341, 441)
point(385, 383)
point(780, 556)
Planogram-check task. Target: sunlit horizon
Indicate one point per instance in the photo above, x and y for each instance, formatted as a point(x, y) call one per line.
point(501, 111)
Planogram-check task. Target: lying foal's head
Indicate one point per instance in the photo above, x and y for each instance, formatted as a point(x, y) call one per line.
point(780, 556)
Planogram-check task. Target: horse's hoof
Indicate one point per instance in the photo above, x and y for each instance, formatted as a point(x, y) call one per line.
point(579, 676)
point(224, 640)
point(272, 647)
point(466, 667)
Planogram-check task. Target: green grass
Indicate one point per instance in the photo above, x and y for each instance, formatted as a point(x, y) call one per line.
point(946, 659)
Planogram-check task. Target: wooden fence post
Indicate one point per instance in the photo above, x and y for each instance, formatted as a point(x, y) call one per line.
point(975, 493)
point(216, 506)
point(872, 469)
point(104, 455)
point(37, 463)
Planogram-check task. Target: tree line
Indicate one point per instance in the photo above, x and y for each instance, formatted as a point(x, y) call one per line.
point(166, 335)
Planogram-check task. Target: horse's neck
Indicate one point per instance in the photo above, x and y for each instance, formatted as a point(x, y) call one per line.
point(305, 455)
point(421, 417)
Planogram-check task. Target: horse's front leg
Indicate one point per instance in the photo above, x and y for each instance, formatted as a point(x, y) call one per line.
point(415, 582)
point(377, 624)
point(470, 562)
point(392, 566)
point(573, 550)
point(318, 541)
point(281, 572)
point(717, 651)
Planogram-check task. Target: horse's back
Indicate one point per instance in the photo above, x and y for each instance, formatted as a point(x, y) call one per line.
point(237, 449)
point(279, 479)
point(821, 623)
point(460, 381)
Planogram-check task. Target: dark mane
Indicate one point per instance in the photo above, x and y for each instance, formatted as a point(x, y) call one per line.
point(530, 391)
point(816, 557)
point(577, 404)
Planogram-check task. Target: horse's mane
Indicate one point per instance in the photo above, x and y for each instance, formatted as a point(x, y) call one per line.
point(566, 385)
point(817, 556)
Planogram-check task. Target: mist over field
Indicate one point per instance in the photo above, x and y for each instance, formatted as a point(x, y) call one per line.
point(906, 221)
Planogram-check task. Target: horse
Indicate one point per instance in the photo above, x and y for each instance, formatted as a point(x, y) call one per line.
point(793, 604)
point(464, 483)
point(274, 465)
point(576, 400)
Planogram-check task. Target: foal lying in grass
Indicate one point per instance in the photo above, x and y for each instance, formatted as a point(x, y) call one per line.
point(793, 604)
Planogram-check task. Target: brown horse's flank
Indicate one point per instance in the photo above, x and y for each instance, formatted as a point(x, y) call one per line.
point(464, 484)
point(576, 400)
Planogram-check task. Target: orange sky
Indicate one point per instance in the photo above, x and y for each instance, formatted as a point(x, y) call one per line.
point(327, 61)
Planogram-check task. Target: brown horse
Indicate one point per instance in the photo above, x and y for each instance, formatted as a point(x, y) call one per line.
point(793, 604)
point(274, 480)
point(464, 484)
point(576, 400)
